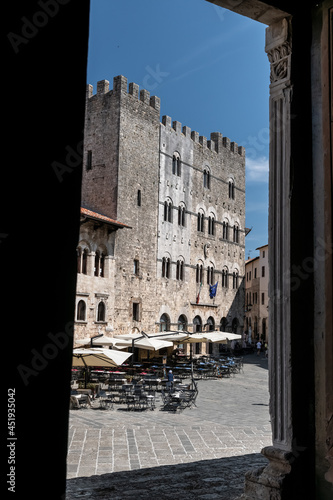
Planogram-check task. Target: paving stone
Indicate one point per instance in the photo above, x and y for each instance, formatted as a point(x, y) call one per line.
point(212, 445)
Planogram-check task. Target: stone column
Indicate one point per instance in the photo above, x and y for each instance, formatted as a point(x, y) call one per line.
point(269, 482)
point(91, 264)
point(278, 48)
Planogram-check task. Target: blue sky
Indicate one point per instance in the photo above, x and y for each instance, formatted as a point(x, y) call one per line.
point(209, 68)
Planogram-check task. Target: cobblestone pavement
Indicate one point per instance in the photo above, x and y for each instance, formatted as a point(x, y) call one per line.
point(216, 442)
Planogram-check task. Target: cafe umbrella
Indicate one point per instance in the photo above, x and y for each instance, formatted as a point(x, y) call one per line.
point(221, 337)
point(101, 340)
point(86, 358)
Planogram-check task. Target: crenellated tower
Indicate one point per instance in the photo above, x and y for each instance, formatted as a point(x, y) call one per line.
point(182, 196)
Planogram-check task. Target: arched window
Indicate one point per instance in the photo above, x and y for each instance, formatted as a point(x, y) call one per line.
point(236, 233)
point(168, 211)
point(166, 263)
point(210, 275)
point(231, 189)
point(197, 324)
point(211, 324)
point(81, 260)
point(223, 324)
point(164, 323)
point(181, 215)
point(224, 281)
point(211, 225)
point(235, 279)
point(225, 230)
point(99, 263)
point(199, 270)
point(176, 164)
point(206, 178)
point(200, 225)
point(182, 322)
point(180, 270)
point(81, 311)
point(101, 311)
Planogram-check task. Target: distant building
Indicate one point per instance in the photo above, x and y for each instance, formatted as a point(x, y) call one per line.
point(162, 221)
point(256, 296)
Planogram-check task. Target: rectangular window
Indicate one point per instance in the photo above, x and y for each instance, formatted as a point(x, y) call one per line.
point(139, 198)
point(263, 298)
point(263, 271)
point(255, 272)
point(136, 267)
point(89, 160)
point(136, 311)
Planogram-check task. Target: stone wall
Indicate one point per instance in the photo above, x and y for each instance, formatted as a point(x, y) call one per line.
point(129, 176)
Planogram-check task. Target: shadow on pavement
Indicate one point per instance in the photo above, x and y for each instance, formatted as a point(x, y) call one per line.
point(221, 479)
point(253, 359)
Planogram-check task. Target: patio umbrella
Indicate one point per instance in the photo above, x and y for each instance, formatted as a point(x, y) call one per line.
point(221, 337)
point(150, 344)
point(176, 337)
point(98, 357)
point(101, 340)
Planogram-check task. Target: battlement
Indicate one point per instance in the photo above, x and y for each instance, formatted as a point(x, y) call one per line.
point(217, 142)
point(120, 86)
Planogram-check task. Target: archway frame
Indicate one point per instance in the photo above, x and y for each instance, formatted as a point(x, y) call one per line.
point(299, 47)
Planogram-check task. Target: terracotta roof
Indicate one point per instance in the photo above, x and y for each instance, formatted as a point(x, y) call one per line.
point(100, 217)
point(262, 246)
point(251, 260)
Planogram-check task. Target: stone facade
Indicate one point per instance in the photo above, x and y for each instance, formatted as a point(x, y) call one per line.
point(183, 198)
point(256, 296)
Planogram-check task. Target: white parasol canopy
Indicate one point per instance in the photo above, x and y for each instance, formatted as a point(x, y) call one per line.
point(221, 337)
point(176, 337)
point(98, 341)
point(98, 357)
point(151, 344)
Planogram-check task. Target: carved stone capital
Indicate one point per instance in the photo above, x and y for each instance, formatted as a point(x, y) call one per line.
point(280, 62)
point(278, 49)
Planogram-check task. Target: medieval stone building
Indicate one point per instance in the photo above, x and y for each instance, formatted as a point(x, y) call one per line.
point(256, 296)
point(41, 223)
point(162, 220)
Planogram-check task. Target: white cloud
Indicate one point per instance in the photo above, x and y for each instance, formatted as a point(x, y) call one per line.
point(257, 169)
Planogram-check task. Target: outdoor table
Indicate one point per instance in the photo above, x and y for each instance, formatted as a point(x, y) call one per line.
point(106, 400)
point(84, 391)
point(151, 401)
point(81, 399)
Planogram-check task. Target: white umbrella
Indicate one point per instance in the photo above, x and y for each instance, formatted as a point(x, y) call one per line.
point(98, 357)
point(86, 358)
point(176, 337)
point(98, 341)
point(151, 344)
point(221, 337)
point(195, 337)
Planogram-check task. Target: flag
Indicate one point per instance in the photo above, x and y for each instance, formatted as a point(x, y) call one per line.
point(212, 290)
point(198, 296)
